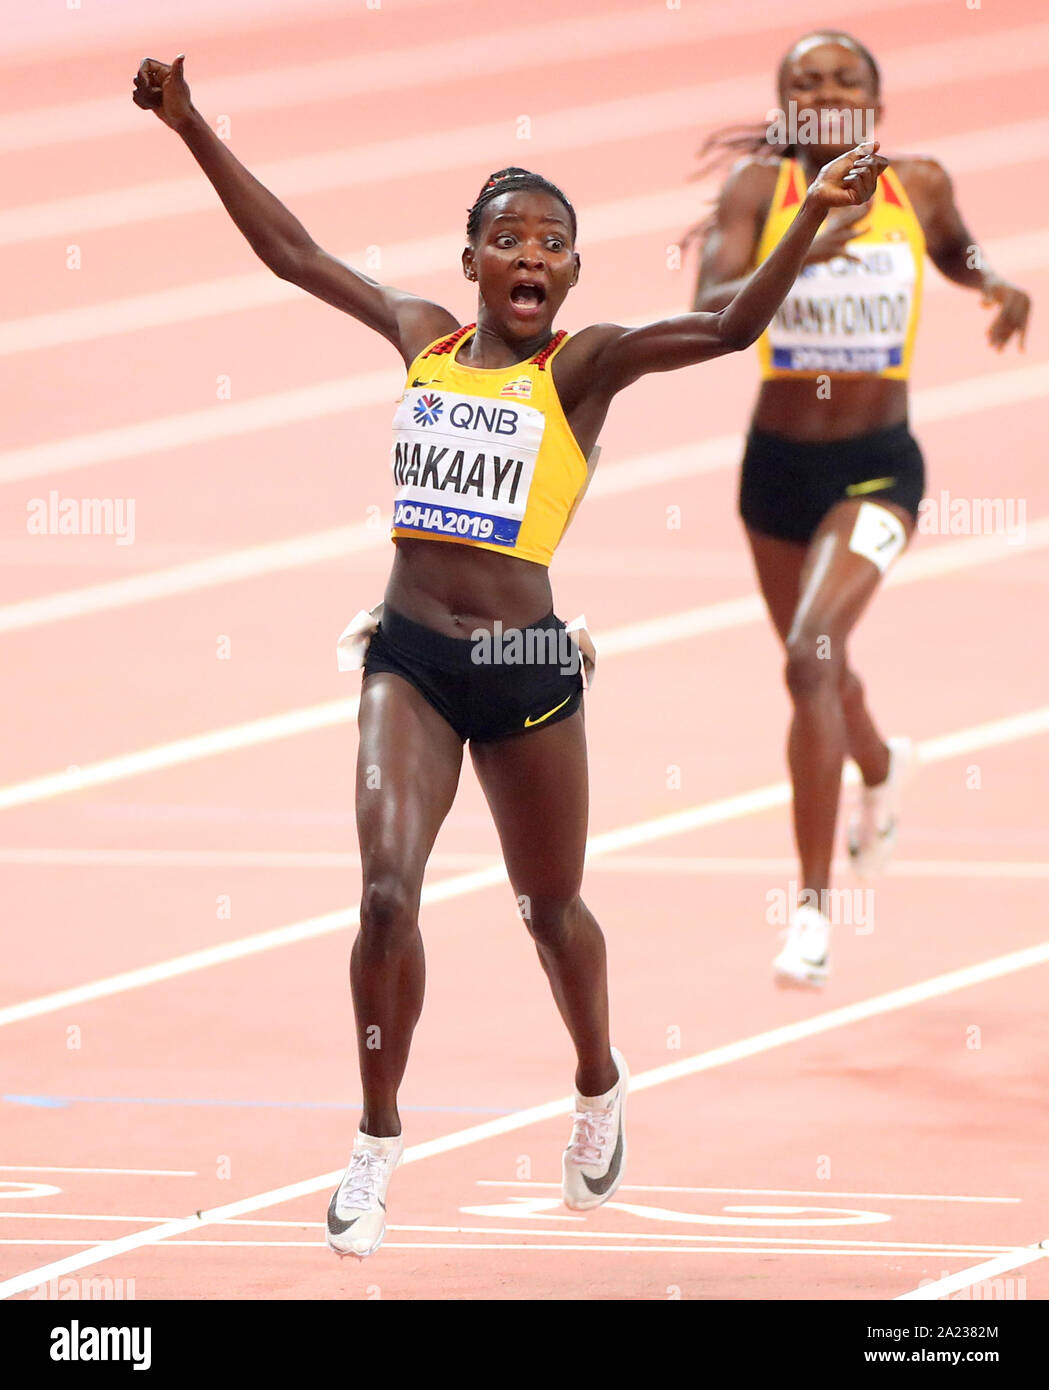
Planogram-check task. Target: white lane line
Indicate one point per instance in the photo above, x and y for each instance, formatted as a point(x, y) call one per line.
point(573, 1233)
point(925, 563)
point(46, 35)
point(576, 127)
point(494, 51)
point(644, 635)
point(761, 1191)
point(253, 562)
point(990, 735)
point(203, 959)
point(380, 162)
point(516, 1245)
point(77, 1216)
point(653, 864)
point(135, 1172)
point(715, 617)
point(319, 400)
point(185, 427)
point(577, 1233)
point(406, 262)
point(182, 751)
point(823, 1251)
point(954, 1283)
point(877, 1006)
point(647, 864)
point(951, 401)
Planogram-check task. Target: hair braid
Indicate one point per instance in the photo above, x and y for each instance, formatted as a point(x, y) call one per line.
point(513, 180)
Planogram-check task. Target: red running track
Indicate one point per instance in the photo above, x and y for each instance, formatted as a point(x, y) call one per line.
point(847, 1145)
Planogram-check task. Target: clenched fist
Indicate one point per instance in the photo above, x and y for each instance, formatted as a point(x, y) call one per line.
point(850, 179)
point(162, 88)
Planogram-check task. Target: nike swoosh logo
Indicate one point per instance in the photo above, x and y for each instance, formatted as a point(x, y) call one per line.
point(530, 722)
point(599, 1185)
point(875, 485)
point(336, 1225)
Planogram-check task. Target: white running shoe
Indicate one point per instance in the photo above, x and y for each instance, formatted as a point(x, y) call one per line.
point(357, 1210)
point(805, 957)
point(874, 821)
point(593, 1164)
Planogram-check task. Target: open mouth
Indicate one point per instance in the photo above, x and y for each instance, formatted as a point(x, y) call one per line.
point(527, 298)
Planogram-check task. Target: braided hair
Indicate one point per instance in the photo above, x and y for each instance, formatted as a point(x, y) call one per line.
point(749, 138)
point(513, 180)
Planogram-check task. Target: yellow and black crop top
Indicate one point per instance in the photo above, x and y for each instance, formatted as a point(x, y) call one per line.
point(843, 315)
point(484, 456)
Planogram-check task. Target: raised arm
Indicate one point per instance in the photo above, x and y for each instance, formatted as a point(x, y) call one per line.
point(276, 236)
point(955, 253)
point(620, 356)
point(731, 240)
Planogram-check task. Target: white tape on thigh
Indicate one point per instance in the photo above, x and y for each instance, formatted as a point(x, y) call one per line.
point(878, 535)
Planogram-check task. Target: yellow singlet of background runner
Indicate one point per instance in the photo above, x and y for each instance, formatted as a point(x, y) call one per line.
point(845, 316)
point(484, 456)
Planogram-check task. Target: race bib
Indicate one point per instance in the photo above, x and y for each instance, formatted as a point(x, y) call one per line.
point(463, 465)
point(847, 316)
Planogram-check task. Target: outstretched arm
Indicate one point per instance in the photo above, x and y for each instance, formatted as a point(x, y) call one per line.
point(955, 253)
point(276, 236)
point(730, 242)
point(623, 355)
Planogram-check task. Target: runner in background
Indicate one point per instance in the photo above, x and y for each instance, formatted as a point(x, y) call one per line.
point(832, 477)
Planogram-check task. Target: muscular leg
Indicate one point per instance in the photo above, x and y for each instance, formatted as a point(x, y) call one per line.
point(779, 565)
point(407, 771)
point(537, 788)
point(835, 585)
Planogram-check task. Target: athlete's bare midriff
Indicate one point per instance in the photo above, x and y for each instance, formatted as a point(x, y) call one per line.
point(456, 588)
point(862, 404)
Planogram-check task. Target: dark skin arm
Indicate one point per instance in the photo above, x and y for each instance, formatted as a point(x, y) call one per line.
point(276, 236)
point(599, 362)
point(603, 360)
point(954, 251)
point(730, 244)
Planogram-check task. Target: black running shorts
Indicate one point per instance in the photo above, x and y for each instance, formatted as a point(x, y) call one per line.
point(788, 486)
point(487, 685)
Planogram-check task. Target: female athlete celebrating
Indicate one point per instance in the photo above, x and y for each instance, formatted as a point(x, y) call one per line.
point(831, 477)
point(492, 438)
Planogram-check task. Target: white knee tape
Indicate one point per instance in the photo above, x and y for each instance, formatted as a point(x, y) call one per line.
point(878, 535)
